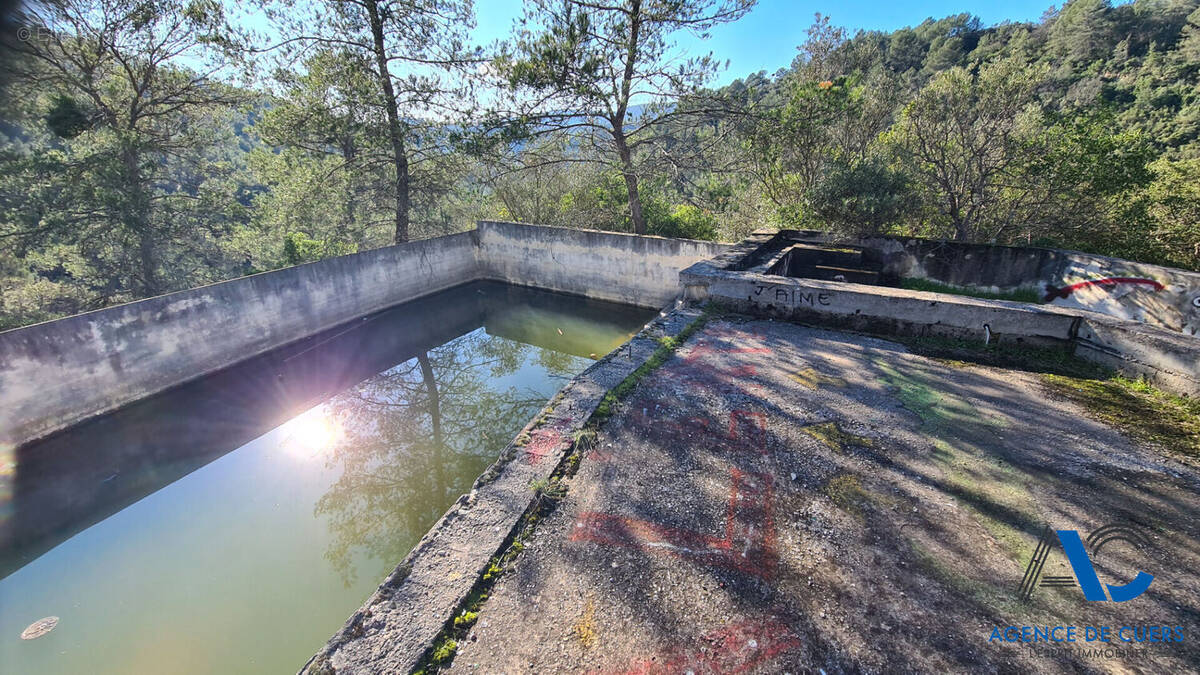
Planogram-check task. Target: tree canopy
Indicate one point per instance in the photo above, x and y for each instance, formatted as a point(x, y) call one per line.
point(148, 146)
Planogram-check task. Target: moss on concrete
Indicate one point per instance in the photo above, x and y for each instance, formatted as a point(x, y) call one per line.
point(1132, 405)
point(585, 628)
point(982, 481)
point(1137, 408)
point(666, 348)
point(810, 378)
point(847, 491)
point(835, 438)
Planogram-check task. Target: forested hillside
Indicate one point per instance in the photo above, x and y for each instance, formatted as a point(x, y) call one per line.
point(154, 146)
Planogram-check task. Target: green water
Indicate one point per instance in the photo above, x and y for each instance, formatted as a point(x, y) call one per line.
point(232, 525)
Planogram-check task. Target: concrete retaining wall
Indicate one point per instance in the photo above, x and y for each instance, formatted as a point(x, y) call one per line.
point(55, 374)
point(626, 268)
point(1159, 296)
point(1152, 294)
point(1168, 359)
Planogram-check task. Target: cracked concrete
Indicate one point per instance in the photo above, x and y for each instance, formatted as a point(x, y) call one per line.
point(778, 498)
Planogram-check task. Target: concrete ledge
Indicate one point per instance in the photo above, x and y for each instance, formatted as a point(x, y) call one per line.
point(891, 310)
point(399, 622)
point(1170, 360)
point(1163, 297)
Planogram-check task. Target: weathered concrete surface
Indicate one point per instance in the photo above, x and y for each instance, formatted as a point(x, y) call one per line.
point(626, 268)
point(785, 499)
point(60, 372)
point(1164, 297)
point(1169, 360)
point(864, 307)
point(392, 630)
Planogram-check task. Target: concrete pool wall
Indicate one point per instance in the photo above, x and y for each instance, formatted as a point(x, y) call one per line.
point(58, 373)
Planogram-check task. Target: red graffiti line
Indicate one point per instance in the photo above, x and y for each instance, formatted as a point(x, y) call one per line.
point(1065, 291)
point(747, 547)
point(542, 442)
point(731, 334)
point(706, 376)
point(736, 648)
point(747, 430)
point(717, 342)
point(674, 428)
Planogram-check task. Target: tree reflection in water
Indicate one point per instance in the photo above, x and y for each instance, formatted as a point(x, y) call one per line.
point(417, 435)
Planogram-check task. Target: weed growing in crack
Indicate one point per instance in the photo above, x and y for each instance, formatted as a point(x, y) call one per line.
point(549, 488)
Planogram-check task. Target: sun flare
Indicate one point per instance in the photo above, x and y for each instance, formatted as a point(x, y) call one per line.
point(312, 434)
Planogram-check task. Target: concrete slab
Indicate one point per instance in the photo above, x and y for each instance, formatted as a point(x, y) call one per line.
point(778, 498)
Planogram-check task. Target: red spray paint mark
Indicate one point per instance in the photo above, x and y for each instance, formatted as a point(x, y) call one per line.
point(1065, 291)
point(747, 429)
point(718, 342)
point(700, 375)
point(704, 349)
point(737, 335)
point(736, 648)
point(698, 370)
point(542, 442)
point(645, 419)
point(748, 545)
point(598, 455)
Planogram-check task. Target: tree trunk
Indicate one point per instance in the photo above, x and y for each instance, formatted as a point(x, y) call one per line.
point(136, 214)
point(962, 230)
point(435, 417)
point(347, 230)
point(631, 181)
point(395, 133)
point(635, 202)
point(618, 122)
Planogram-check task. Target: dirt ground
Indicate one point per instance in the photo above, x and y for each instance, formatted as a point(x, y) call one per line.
point(778, 498)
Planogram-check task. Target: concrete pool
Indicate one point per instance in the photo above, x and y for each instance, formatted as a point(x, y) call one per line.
point(233, 523)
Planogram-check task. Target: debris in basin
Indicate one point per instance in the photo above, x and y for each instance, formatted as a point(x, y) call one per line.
point(39, 628)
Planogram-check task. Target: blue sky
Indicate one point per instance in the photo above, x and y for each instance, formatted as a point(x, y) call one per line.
point(766, 39)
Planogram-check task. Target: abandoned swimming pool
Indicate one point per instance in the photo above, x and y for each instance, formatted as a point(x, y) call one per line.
point(233, 523)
